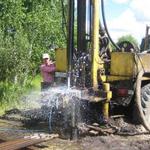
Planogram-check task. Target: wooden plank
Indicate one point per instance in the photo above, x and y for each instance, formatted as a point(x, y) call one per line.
point(19, 143)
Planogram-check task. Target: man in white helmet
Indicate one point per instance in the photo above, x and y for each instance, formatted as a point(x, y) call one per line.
point(47, 71)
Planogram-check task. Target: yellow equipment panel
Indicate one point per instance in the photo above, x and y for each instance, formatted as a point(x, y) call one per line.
point(61, 60)
point(122, 64)
point(128, 64)
point(143, 62)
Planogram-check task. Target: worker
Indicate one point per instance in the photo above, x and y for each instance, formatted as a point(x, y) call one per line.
point(47, 72)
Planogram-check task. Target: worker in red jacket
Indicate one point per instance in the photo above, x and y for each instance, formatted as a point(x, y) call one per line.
point(47, 72)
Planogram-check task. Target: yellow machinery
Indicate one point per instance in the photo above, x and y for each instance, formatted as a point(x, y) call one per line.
point(122, 78)
point(61, 63)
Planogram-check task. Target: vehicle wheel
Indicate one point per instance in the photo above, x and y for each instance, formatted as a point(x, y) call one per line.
point(143, 102)
point(126, 46)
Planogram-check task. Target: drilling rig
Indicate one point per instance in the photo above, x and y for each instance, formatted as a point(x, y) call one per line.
point(145, 44)
point(120, 77)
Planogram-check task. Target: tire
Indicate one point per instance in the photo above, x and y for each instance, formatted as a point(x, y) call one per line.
point(143, 102)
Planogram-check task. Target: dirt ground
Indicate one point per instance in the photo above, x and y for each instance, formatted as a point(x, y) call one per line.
point(12, 130)
point(101, 143)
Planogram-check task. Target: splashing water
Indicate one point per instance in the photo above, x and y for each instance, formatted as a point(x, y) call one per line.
point(60, 106)
point(68, 81)
point(81, 70)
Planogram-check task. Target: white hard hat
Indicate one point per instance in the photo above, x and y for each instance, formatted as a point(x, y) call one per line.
point(45, 56)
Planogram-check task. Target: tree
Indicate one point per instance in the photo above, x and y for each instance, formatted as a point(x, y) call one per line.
point(28, 28)
point(128, 38)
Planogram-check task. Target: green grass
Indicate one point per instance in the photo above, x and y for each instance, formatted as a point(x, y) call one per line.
point(12, 94)
point(35, 83)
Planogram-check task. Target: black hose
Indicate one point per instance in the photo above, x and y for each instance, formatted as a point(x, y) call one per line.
point(105, 25)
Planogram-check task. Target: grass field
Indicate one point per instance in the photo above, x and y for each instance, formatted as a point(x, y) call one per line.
point(35, 83)
point(11, 95)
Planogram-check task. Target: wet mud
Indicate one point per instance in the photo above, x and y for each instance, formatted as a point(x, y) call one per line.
point(10, 130)
point(118, 133)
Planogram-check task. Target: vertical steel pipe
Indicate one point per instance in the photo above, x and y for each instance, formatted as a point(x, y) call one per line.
point(95, 42)
point(106, 87)
point(70, 41)
point(81, 25)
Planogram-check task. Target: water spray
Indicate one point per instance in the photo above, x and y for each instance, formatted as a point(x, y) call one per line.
point(68, 80)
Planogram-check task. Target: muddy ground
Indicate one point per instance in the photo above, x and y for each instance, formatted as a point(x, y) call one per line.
point(120, 134)
point(15, 129)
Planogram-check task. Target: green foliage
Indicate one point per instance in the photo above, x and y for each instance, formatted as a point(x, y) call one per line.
point(128, 38)
point(34, 83)
point(28, 28)
point(9, 94)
